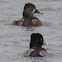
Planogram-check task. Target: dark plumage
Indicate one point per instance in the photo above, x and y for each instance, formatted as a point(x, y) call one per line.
point(36, 49)
point(36, 40)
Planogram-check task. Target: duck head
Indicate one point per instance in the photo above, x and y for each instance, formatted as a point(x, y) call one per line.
point(36, 40)
point(29, 10)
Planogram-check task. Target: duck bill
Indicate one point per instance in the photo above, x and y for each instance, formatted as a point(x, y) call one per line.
point(38, 12)
point(45, 43)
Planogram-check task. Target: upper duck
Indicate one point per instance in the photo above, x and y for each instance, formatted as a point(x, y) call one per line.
point(28, 18)
point(35, 47)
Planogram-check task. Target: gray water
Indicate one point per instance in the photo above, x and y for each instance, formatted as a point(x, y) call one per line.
point(14, 40)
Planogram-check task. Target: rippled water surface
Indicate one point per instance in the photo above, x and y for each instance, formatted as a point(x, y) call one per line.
point(14, 40)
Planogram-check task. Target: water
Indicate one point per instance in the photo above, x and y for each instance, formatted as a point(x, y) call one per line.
point(14, 40)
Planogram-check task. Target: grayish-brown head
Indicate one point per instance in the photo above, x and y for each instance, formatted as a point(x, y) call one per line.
point(29, 10)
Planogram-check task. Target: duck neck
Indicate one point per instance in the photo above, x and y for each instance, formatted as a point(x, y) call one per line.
point(28, 16)
point(27, 21)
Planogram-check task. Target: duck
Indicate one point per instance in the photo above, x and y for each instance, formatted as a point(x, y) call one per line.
point(28, 16)
point(35, 47)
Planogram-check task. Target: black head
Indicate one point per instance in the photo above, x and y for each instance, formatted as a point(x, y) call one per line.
point(36, 40)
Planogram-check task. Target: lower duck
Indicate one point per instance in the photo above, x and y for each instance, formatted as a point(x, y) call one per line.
point(35, 47)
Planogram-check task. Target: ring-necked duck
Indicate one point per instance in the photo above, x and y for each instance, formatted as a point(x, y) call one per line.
point(28, 18)
point(36, 49)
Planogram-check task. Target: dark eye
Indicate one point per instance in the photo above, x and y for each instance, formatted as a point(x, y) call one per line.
point(31, 7)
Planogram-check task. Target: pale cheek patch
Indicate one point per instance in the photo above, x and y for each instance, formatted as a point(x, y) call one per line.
point(33, 11)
